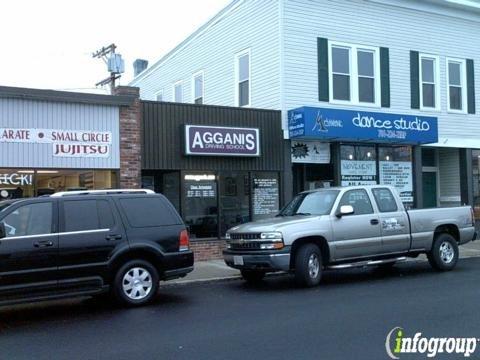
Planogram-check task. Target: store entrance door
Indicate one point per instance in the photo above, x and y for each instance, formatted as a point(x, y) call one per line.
point(429, 188)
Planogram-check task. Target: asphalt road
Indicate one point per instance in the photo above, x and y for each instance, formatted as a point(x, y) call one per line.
point(348, 317)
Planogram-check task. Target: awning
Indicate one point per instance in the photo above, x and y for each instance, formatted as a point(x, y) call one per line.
point(363, 126)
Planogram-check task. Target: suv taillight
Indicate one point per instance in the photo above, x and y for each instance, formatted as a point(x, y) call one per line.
point(184, 241)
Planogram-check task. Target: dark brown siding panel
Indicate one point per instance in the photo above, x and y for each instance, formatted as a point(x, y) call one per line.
point(163, 145)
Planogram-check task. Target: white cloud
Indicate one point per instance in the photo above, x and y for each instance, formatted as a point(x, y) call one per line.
point(48, 44)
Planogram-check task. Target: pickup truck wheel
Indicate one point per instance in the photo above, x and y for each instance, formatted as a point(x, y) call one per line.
point(308, 265)
point(253, 276)
point(444, 253)
point(136, 283)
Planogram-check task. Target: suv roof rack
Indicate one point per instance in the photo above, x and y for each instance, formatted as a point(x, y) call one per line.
point(102, 192)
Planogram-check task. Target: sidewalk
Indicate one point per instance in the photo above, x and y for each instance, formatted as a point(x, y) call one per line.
point(217, 270)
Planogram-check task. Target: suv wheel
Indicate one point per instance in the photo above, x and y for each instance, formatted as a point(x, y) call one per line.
point(136, 283)
point(308, 265)
point(444, 253)
point(253, 276)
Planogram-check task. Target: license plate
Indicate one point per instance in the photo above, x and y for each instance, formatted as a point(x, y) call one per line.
point(238, 260)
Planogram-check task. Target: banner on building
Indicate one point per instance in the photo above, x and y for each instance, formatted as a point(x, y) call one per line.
point(65, 143)
point(310, 152)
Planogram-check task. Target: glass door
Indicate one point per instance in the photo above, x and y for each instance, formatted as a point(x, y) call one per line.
point(200, 210)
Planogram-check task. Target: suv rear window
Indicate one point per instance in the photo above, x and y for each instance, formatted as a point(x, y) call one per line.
point(149, 212)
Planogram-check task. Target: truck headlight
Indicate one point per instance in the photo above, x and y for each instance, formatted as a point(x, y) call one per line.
point(273, 235)
point(272, 246)
point(227, 236)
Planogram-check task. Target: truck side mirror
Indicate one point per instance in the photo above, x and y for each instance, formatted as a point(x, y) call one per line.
point(345, 210)
point(3, 231)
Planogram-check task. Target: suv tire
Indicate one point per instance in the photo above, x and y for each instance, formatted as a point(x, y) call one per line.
point(136, 283)
point(308, 265)
point(253, 276)
point(444, 253)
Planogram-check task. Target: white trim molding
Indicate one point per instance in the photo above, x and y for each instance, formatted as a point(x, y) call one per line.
point(436, 81)
point(353, 50)
point(463, 84)
point(237, 57)
point(194, 76)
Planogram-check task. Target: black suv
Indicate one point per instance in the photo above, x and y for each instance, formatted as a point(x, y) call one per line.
point(91, 242)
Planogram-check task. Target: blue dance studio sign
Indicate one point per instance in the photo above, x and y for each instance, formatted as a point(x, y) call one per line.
point(348, 125)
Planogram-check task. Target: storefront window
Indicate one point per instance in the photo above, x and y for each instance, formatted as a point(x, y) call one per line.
point(234, 199)
point(358, 165)
point(201, 209)
point(16, 183)
point(19, 183)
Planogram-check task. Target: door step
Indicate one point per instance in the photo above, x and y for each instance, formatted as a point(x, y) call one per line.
point(367, 263)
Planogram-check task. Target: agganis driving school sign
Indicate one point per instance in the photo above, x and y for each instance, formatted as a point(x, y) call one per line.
point(221, 141)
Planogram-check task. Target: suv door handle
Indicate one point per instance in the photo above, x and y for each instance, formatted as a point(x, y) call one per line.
point(114, 237)
point(43, 243)
point(374, 222)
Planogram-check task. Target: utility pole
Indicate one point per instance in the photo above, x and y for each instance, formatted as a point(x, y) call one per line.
point(114, 63)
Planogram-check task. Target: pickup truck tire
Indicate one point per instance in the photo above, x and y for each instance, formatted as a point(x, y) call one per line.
point(444, 253)
point(136, 283)
point(253, 276)
point(308, 265)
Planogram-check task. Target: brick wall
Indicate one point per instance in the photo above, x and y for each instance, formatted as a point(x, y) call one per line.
point(207, 249)
point(130, 139)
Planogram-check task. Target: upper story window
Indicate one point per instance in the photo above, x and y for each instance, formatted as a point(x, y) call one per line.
point(242, 78)
point(178, 92)
point(159, 96)
point(457, 84)
point(354, 74)
point(429, 82)
point(198, 88)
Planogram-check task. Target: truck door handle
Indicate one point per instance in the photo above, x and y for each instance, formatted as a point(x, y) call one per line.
point(43, 243)
point(374, 221)
point(114, 237)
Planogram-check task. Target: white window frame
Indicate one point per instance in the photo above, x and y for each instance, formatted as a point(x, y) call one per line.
point(436, 74)
point(175, 84)
point(354, 83)
point(237, 77)
point(160, 92)
point(195, 75)
point(463, 84)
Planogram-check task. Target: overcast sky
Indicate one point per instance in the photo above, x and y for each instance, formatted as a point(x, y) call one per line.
point(48, 44)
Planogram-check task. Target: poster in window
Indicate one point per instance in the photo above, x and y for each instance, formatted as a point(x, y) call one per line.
point(265, 198)
point(399, 175)
point(355, 172)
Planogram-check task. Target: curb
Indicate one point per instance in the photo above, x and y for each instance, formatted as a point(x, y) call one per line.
point(234, 277)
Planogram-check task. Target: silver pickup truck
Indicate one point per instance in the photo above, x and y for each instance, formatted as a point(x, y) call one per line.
point(345, 227)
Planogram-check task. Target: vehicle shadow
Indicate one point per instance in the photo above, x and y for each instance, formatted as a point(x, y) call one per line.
point(17, 316)
point(336, 279)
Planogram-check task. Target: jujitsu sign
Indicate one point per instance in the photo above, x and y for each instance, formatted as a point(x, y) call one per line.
point(222, 141)
point(65, 143)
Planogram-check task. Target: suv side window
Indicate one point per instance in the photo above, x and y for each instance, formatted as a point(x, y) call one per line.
point(149, 212)
point(30, 219)
point(385, 200)
point(359, 200)
point(84, 215)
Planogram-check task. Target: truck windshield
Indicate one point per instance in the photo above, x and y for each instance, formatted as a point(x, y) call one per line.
point(5, 204)
point(311, 203)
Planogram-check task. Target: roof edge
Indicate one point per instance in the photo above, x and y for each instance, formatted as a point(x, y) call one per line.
point(65, 96)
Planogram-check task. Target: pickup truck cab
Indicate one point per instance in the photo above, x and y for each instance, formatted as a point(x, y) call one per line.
point(74, 243)
point(346, 227)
